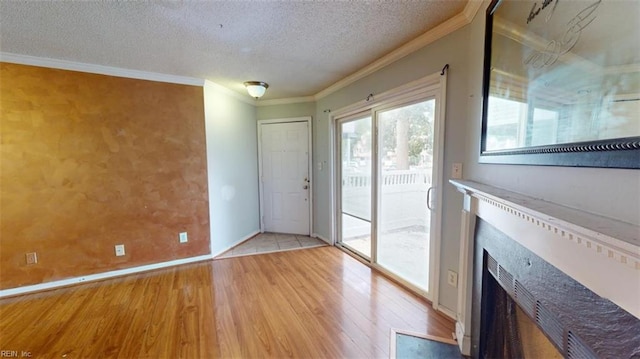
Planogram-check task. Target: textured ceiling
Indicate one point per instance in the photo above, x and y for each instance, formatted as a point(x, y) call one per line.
point(298, 47)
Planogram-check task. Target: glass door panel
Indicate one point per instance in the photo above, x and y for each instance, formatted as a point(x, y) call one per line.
point(405, 165)
point(355, 169)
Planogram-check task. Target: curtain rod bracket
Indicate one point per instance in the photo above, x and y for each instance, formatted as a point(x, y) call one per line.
point(370, 97)
point(445, 68)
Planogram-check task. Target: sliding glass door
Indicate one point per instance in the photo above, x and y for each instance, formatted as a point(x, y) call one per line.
point(405, 166)
point(356, 186)
point(387, 170)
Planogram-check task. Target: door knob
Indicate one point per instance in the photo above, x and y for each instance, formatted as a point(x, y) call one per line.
point(305, 187)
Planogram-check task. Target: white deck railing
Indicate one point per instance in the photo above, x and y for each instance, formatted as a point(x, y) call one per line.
point(403, 200)
point(389, 178)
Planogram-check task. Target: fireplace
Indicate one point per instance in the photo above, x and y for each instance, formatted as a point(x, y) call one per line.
point(528, 273)
point(576, 321)
point(509, 332)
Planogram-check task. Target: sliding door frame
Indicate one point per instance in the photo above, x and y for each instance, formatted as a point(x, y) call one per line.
point(429, 87)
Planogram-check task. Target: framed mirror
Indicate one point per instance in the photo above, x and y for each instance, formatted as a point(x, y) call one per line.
point(562, 83)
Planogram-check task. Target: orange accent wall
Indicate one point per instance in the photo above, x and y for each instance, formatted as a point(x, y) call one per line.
point(90, 161)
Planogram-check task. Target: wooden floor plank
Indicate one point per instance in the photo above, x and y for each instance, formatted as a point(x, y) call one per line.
point(316, 302)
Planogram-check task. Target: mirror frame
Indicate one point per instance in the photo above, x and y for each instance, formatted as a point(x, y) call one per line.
point(621, 152)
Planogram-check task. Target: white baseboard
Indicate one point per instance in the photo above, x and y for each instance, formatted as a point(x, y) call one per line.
point(316, 235)
point(464, 341)
point(236, 243)
point(99, 276)
point(446, 311)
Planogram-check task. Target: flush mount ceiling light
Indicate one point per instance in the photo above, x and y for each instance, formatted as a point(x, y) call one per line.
point(256, 88)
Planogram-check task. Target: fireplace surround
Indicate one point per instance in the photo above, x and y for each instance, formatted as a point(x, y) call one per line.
point(576, 275)
point(577, 321)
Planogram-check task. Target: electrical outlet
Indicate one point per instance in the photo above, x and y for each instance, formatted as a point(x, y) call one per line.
point(32, 258)
point(456, 171)
point(452, 278)
point(183, 237)
point(119, 250)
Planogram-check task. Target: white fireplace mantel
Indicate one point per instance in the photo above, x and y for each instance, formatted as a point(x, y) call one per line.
point(601, 253)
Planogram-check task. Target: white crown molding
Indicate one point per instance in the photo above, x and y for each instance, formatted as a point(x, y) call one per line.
point(225, 90)
point(472, 7)
point(285, 101)
point(440, 31)
point(463, 18)
point(97, 69)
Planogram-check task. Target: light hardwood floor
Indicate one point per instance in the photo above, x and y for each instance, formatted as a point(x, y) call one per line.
point(311, 303)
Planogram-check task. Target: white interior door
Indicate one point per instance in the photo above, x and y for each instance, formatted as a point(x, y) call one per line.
point(285, 177)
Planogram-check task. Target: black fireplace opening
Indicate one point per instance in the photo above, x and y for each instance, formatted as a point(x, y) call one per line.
point(521, 305)
point(508, 331)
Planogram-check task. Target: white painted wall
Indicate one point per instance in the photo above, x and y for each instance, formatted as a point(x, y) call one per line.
point(301, 109)
point(232, 165)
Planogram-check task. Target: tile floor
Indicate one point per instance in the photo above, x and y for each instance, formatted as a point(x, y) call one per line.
point(272, 242)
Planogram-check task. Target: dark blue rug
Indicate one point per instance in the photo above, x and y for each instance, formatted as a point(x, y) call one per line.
point(410, 346)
